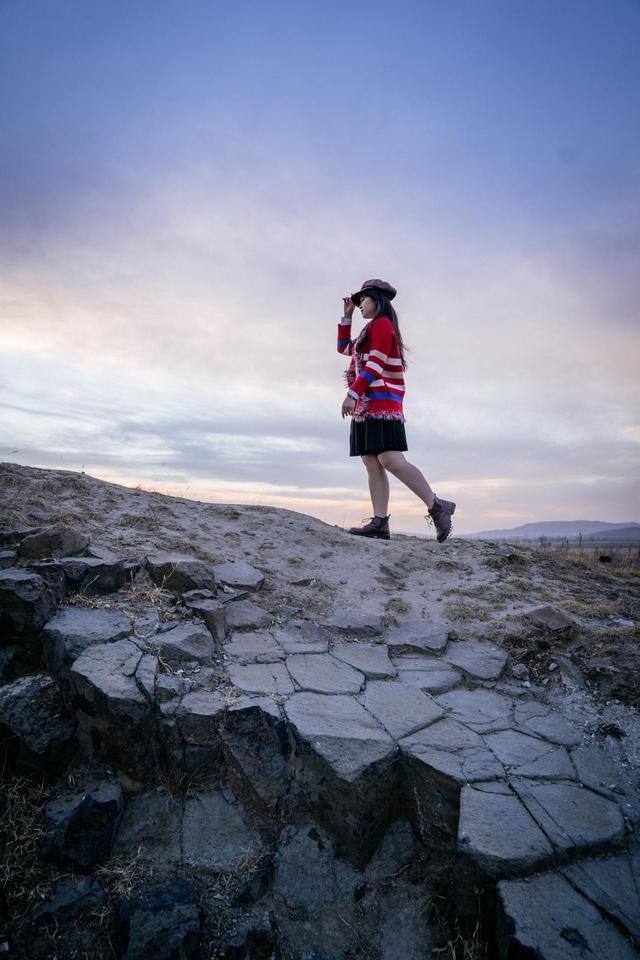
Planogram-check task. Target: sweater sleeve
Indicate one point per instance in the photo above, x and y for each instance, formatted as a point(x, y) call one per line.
point(345, 343)
point(380, 342)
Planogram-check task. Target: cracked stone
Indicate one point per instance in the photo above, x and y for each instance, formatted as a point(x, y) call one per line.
point(26, 603)
point(572, 929)
point(480, 660)
point(322, 673)
point(244, 615)
point(34, 734)
point(613, 884)
point(417, 636)
point(302, 636)
point(260, 677)
point(180, 573)
point(184, 643)
point(538, 718)
point(485, 711)
point(339, 729)
point(400, 709)
point(530, 756)
point(427, 673)
point(596, 770)
point(371, 659)
point(254, 647)
point(198, 717)
point(54, 541)
point(359, 623)
point(498, 833)
point(238, 574)
point(454, 751)
point(72, 629)
point(216, 834)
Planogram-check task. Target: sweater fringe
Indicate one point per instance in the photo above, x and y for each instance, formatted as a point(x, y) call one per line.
point(359, 418)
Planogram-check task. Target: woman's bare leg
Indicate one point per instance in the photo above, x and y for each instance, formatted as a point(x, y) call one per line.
point(378, 485)
point(396, 463)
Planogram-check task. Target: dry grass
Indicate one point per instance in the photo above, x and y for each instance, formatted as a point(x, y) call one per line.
point(463, 948)
point(459, 610)
point(24, 879)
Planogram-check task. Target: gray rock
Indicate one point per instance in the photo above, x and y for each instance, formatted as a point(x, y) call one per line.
point(161, 923)
point(238, 574)
point(168, 686)
point(26, 603)
point(244, 615)
point(69, 898)
point(216, 834)
point(596, 770)
point(498, 834)
point(370, 659)
point(417, 636)
point(35, 736)
point(551, 619)
point(404, 924)
point(199, 716)
point(213, 614)
point(545, 917)
point(308, 877)
point(7, 558)
point(454, 752)
point(14, 536)
point(150, 829)
point(81, 827)
point(538, 718)
point(529, 756)
point(256, 748)
point(574, 818)
point(485, 711)
point(254, 647)
point(145, 675)
point(180, 573)
point(185, 643)
point(479, 660)
point(52, 572)
point(427, 673)
point(302, 636)
point(94, 576)
point(260, 677)
point(340, 731)
point(357, 623)
point(400, 709)
point(613, 885)
point(73, 629)
point(322, 673)
point(53, 541)
point(396, 851)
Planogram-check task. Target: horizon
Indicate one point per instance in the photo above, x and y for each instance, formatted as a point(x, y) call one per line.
point(189, 193)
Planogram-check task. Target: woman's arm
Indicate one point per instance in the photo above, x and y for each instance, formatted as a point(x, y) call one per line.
point(345, 343)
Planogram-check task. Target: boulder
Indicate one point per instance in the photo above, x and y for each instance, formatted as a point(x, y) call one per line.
point(94, 576)
point(199, 716)
point(244, 615)
point(35, 734)
point(69, 898)
point(81, 827)
point(239, 575)
point(54, 541)
point(160, 923)
point(9, 537)
point(72, 629)
point(52, 572)
point(212, 612)
point(179, 573)
point(550, 619)
point(184, 643)
point(256, 748)
point(26, 603)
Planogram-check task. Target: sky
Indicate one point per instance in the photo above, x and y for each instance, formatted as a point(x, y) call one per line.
point(189, 188)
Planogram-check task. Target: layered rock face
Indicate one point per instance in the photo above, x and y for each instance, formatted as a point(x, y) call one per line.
point(302, 787)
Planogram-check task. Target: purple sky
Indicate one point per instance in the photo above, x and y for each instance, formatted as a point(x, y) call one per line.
point(187, 190)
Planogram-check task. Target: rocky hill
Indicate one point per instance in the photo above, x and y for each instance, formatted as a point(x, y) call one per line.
point(238, 732)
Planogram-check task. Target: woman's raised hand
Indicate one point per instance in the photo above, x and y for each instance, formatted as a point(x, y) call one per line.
point(348, 306)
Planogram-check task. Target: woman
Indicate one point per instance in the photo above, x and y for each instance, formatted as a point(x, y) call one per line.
point(374, 402)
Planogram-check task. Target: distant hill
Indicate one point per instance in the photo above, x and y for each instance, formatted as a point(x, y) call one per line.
point(589, 529)
point(631, 533)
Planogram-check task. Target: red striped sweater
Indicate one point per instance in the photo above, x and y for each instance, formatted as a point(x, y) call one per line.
point(375, 376)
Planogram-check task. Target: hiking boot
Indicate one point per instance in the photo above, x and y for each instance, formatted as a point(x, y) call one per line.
point(440, 515)
point(377, 527)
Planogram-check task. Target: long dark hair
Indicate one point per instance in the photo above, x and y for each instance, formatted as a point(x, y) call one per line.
point(384, 310)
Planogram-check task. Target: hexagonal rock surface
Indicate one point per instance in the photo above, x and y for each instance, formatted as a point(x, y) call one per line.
point(529, 756)
point(73, 629)
point(180, 573)
point(417, 636)
point(198, 716)
point(185, 642)
point(216, 834)
point(573, 817)
point(400, 709)
point(340, 731)
point(104, 677)
point(482, 661)
point(244, 615)
point(302, 636)
point(538, 718)
point(253, 647)
point(358, 623)
point(498, 833)
point(237, 573)
point(595, 770)
point(544, 917)
point(26, 603)
point(371, 659)
point(322, 673)
point(454, 751)
point(613, 884)
point(260, 677)
point(427, 673)
point(485, 711)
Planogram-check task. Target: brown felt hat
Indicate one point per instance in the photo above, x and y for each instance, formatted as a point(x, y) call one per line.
point(379, 285)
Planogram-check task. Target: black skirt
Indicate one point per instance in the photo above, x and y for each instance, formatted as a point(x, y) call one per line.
point(373, 435)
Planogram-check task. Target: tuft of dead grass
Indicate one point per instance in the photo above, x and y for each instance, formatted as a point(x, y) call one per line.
point(24, 879)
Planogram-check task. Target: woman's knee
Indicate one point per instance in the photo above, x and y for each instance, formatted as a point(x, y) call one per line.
point(371, 462)
point(390, 459)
